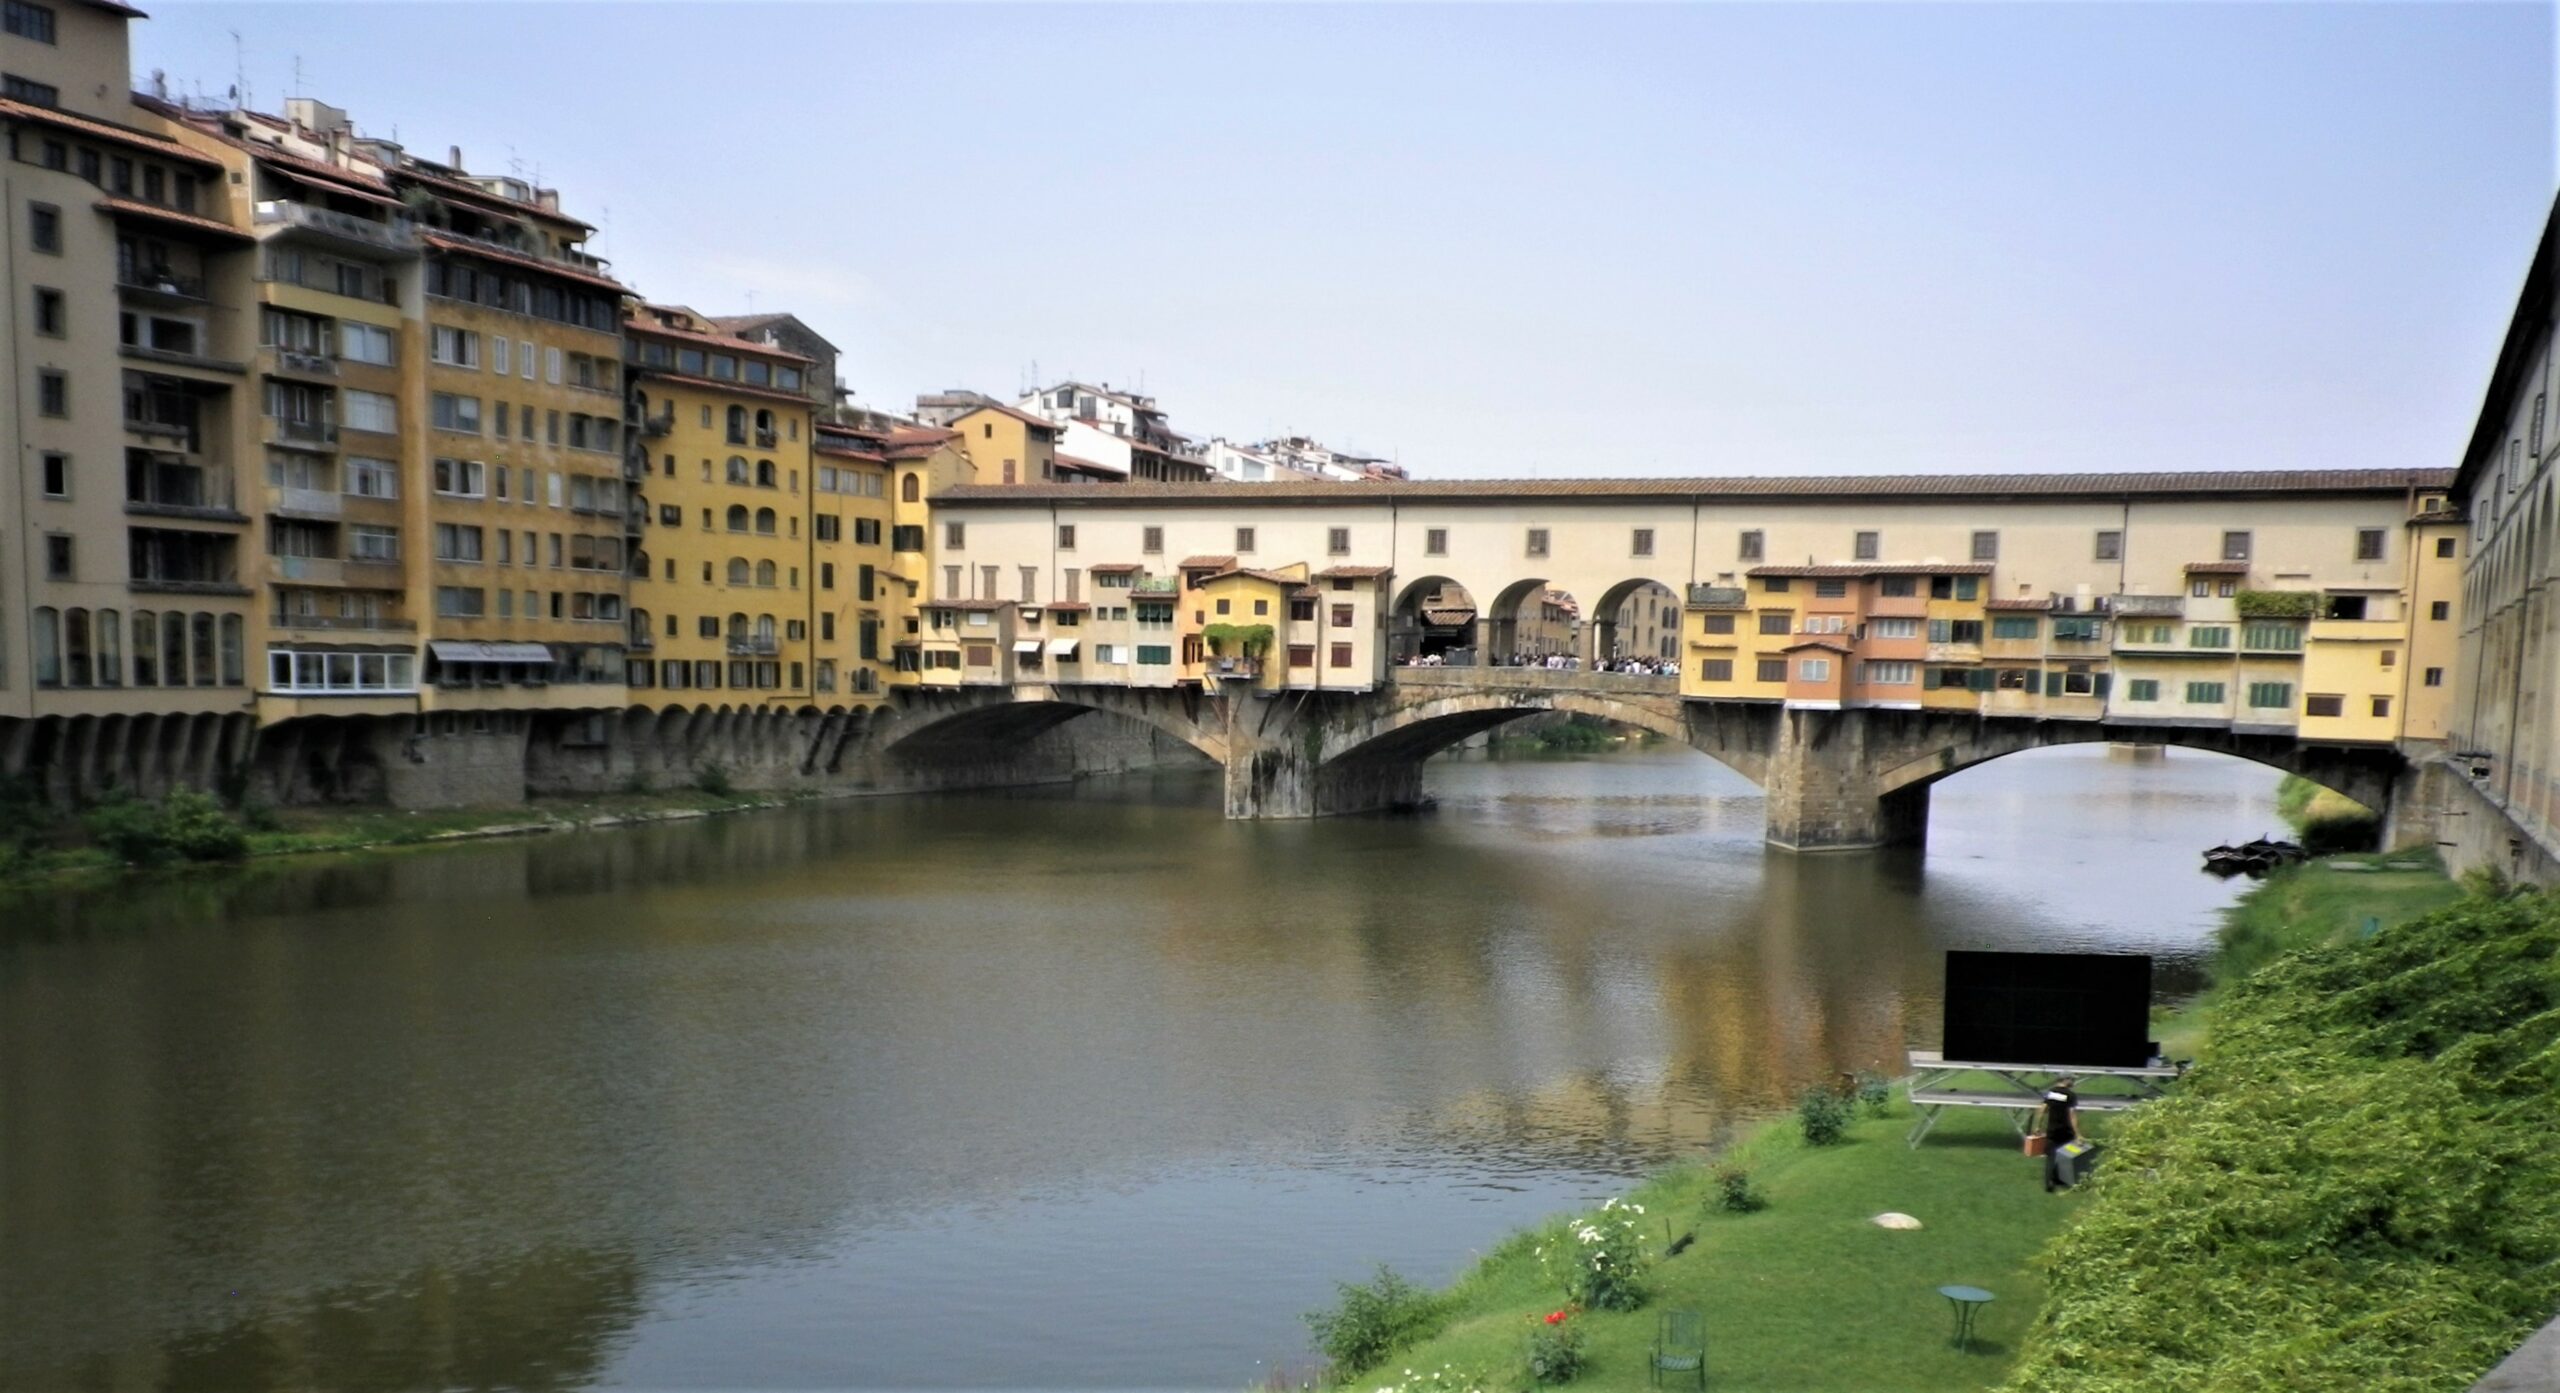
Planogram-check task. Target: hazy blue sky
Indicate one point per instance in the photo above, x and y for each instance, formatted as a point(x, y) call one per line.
point(1528, 241)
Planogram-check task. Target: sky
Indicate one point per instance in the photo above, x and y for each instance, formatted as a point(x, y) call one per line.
point(1540, 241)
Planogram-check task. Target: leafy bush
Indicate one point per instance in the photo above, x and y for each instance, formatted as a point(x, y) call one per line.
point(713, 779)
point(129, 830)
point(1824, 1116)
point(1555, 1348)
point(260, 817)
point(1735, 1192)
point(2277, 604)
point(2353, 1187)
point(1875, 1092)
point(198, 829)
point(1371, 1321)
point(1448, 1378)
point(1598, 1262)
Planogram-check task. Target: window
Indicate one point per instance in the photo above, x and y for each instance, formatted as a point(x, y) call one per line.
point(1341, 655)
point(1771, 670)
point(2235, 546)
point(27, 21)
point(1642, 543)
point(461, 602)
point(1244, 539)
point(365, 343)
point(463, 478)
point(57, 556)
point(35, 93)
point(1715, 670)
point(1814, 669)
point(1435, 541)
point(376, 544)
point(1894, 628)
point(365, 411)
point(455, 413)
point(2208, 636)
point(2142, 689)
point(457, 542)
point(1986, 546)
point(2270, 694)
point(1155, 655)
point(1826, 624)
point(2434, 677)
point(1342, 616)
point(51, 317)
point(57, 475)
point(2110, 546)
point(1537, 541)
point(1151, 540)
point(2013, 626)
point(458, 348)
point(2440, 609)
point(1754, 543)
point(53, 393)
point(1899, 587)
point(2263, 635)
point(1831, 589)
point(1302, 655)
point(1892, 674)
point(1066, 536)
point(2368, 544)
point(1778, 622)
point(1337, 541)
point(2444, 546)
point(44, 227)
point(1716, 624)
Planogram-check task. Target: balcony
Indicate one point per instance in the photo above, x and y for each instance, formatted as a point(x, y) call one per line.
point(161, 584)
point(181, 433)
point(307, 434)
point(160, 286)
point(285, 218)
point(1716, 596)
point(343, 623)
point(753, 646)
point(292, 364)
point(1157, 585)
point(641, 641)
point(158, 484)
point(1232, 669)
point(659, 425)
point(767, 439)
point(307, 503)
point(2148, 606)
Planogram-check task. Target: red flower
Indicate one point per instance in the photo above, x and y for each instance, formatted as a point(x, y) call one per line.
point(1557, 1317)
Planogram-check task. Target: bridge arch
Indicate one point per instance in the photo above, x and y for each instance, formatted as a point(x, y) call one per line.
point(1414, 630)
point(1615, 629)
point(932, 725)
point(1430, 720)
point(2363, 773)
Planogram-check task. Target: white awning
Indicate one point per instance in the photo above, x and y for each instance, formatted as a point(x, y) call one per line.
point(1026, 645)
point(1062, 648)
point(449, 650)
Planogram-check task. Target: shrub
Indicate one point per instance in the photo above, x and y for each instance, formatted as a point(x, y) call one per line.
point(1824, 1116)
point(1371, 1321)
point(1448, 1378)
point(1875, 1092)
point(713, 779)
point(636, 782)
point(260, 817)
point(198, 829)
point(1735, 1192)
point(129, 830)
point(1598, 1262)
point(1555, 1348)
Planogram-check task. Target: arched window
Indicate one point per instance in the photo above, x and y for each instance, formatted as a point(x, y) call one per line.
point(737, 517)
point(204, 665)
point(737, 626)
point(737, 570)
point(738, 470)
point(48, 642)
point(75, 649)
point(909, 490)
point(764, 573)
point(233, 644)
point(737, 425)
point(764, 474)
point(146, 648)
point(764, 424)
point(765, 521)
point(173, 650)
point(110, 648)
point(764, 627)
point(641, 633)
point(640, 563)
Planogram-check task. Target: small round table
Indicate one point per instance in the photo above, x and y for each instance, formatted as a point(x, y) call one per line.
point(1966, 1301)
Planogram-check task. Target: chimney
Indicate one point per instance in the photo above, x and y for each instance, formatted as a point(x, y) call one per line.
point(454, 159)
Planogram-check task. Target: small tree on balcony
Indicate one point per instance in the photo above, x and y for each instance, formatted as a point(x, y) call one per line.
point(2277, 604)
point(1233, 640)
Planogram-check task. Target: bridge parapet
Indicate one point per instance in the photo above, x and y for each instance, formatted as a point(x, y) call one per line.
point(1536, 679)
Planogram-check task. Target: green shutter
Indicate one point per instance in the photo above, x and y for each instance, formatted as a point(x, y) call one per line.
point(2098, 684)
point(1980, 679)
point(1929, 679)
point(2053, 684)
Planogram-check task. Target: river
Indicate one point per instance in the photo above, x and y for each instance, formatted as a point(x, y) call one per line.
point(1060, 1088)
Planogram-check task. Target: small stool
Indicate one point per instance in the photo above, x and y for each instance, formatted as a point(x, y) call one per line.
point(1966, 1301)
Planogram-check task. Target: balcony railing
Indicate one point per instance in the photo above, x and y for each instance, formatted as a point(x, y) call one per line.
point(319, 503)
point(753, 646)
point(767, 439)
point(291, 432)
point(397, 236)
point(1157, 585)
point(319, 570)
point(166, 584)
point(1721, 595)
point(159, 281)
point(1235, 669)
point(641, 641)
point(180, 431)
point(656, 426)
point(2148, 606)
point(306, 364)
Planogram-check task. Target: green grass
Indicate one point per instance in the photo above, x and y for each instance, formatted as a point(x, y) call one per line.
point(1806, 1294)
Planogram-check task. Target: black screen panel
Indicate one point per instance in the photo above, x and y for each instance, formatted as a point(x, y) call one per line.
point(2089, 1009)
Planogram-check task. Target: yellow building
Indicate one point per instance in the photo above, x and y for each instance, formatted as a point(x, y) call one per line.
point(923, 461)
point(1738, 636)
point(859, 599)
point(2435, 630)
point(728, 429)
point(1250, 621)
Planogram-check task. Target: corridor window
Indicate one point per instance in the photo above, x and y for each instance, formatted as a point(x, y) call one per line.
point(2111, 546)
point(2368, 544)
point(1435, 541)
point(1753, 544)
point(1642, 543)
point(1337, 541)
point(1715, 670)
point(1867, 546)
point(1537, 541)
point(2235, 546)
point(1986, 546)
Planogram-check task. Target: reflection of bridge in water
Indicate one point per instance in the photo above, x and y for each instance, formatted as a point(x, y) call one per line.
point(1834, 779)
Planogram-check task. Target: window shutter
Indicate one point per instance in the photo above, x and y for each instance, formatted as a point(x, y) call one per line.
point(2098, 684)
point(1979, 679)
point(1937, 631)
point(1929, 679)
point(2053, 684)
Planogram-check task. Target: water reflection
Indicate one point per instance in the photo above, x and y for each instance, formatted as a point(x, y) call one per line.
point(973, 1091)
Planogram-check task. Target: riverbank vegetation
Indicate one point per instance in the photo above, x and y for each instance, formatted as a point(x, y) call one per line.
point(2353, 1188)
point(2324, 820)
point(1798, 1287)
point(40, 841)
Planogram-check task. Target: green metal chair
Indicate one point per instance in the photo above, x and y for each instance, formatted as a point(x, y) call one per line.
point(1679, 1346)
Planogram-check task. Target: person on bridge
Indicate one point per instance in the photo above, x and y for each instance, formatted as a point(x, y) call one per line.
point(2061, 1128)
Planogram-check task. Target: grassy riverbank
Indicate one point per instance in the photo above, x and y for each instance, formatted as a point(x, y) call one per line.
point(1806, 1294)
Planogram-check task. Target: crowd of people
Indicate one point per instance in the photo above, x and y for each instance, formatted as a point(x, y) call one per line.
point(1557, 662)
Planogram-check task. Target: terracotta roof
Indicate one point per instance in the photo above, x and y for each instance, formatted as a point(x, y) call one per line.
point(722, 384)
point(1834, 642)
point(64, 120)
point(642, 325)
point(1069, 607)
point(2192, 483)
point(2022, 605)
point(973, 605)
point(1448, 618)
point(131, 208)
point(1114, 568)
point(1214, 563)
point(2217, 568)
point(1304, 592)
point(468, 247)
point(1353, 572)
point(834, 450)
point(1003, 410)
point(335, 188)
point(464, 188)
point(1274, 577)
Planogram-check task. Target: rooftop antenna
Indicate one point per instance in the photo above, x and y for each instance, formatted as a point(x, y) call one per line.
point(239, 69)
point(751, 302)
point(297, 75)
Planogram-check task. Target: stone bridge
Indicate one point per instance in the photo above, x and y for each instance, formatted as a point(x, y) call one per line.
point(1835, 780)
